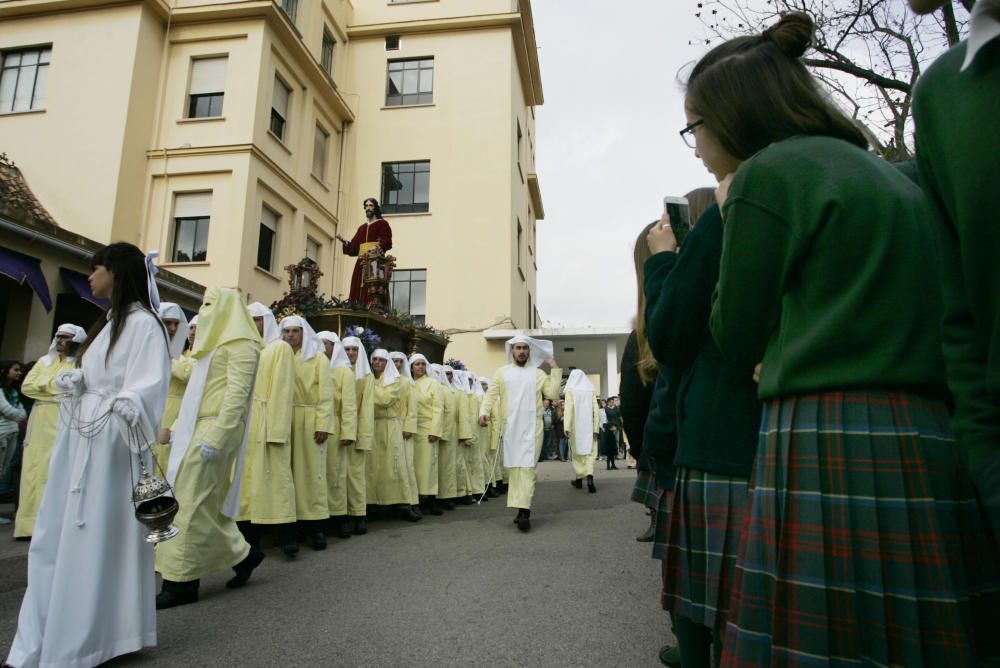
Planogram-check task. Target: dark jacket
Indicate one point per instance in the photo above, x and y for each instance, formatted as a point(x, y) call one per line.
point(659, 440)
point(635, 398)
point(718, 414)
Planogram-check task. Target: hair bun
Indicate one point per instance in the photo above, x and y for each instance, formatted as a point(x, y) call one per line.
point(792, 34)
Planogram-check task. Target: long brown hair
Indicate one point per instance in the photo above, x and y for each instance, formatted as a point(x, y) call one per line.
point(128, 264)
point(646, 364)
point(699, 201)
point(753, 91)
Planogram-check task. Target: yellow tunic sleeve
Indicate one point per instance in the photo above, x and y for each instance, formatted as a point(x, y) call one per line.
point(412, 410)
point(597, 416)
point(277, 368)
point(437, 409)
point(39, 384)
point(366, 413)
point(492, 394)
point(347, 398)
point(550, 390)
point(464, 419)
point(181, 368)
point(324, 402)
point(386, 395)
point(241, 367)
point(569, 413)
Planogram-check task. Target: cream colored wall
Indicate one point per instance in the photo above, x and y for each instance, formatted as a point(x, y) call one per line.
point(463, 241)
point(522, 283)
point(381, 11)
point(72, 152)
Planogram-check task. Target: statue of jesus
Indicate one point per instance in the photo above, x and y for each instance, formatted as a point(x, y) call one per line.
point(372, 234)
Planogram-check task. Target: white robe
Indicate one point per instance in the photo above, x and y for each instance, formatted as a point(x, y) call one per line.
point(91, 585)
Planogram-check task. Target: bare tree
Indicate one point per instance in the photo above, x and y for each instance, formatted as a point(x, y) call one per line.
point(868, 53)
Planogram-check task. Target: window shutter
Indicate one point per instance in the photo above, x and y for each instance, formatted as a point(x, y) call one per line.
point(208, 75)
point(193, 205)
point(280, 101)
point(269, 219)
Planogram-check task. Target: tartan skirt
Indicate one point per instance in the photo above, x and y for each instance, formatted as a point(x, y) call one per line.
point(645, 490)
point(703, 537)
point(661, 523)
point(862, 543)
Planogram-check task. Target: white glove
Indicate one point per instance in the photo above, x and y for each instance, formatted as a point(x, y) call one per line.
point(70, 382)
point(127, 411)
point(208, 452)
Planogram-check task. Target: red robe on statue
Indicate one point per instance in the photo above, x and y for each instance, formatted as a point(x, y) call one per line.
point(368, 235)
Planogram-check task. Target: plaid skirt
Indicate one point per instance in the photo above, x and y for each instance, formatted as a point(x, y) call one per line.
point(862, 542)
point(645, 490)
point(661, 523)
point(705, 525)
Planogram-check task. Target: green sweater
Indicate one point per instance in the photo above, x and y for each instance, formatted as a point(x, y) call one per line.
point(956, 117)
point(828, 273)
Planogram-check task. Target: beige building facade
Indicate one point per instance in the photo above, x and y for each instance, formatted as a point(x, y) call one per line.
point(239, 136)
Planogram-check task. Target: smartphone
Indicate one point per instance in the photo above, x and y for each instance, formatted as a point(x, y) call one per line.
point(680, 216)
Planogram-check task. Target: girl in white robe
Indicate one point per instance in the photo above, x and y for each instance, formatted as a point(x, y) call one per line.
point(91, 585)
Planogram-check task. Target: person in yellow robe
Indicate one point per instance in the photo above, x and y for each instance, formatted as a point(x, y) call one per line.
point(430, 412)
point(312, 423)
point(409, 400)
point(582, 420)
point(448, 445)
point(517, 390)
point(484, 438)
point(388, 480)
point(208, 443)
point(176, 324)
point(496, 468)
point(267, 495)
point(43, 422)
point(364, 381)
point(463, 434)
point(474, 453)
point(345, 433)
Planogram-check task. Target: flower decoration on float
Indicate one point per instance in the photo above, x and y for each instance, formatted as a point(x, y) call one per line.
point(456, 363)
point(369, 337)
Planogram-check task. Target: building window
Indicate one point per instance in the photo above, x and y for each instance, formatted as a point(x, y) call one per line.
point(23, 79)
point(320, 142)
point(519, 137)
point(520, 242)
point(392, 43)
point(408, 290)
point(410, 82)
point(266, 237)
point(313, 249)
point(406, 187)
point(326, 53)
point(208, 85)
point(192, 212)
point(279, 108)
point(290, 7)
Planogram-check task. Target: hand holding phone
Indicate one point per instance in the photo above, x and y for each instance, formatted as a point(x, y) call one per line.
point(680, 216)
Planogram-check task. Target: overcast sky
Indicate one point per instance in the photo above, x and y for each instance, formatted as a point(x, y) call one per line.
point(607, 148)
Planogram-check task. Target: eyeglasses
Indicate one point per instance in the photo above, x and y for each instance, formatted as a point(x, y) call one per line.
point(687, 134)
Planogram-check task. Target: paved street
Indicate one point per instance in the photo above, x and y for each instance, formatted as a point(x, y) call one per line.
point(466, 589)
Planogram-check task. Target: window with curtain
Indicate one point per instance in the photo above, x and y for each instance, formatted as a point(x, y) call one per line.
point(208, 85)
point(326, 52)
point(321, 141)
point(24, 76)
point(192, 214)
point(279, 108)
point(266, 237)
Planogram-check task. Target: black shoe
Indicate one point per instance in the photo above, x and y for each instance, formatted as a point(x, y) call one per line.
point(290, 547)
point(406, 513)
point(245, 568)
point(447, 504)
point(318, 541)
point(590, 484)
point(171, 599)
point(492, 493)
point(647, 535)
point(341, 527)
point(360, 526)
point(577, 483)
point(670, 656)
point(466, 500)
point(418, 510)
point(432, 506)
point(523, 521)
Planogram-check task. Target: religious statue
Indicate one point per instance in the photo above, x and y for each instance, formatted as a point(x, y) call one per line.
point(375, 233)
